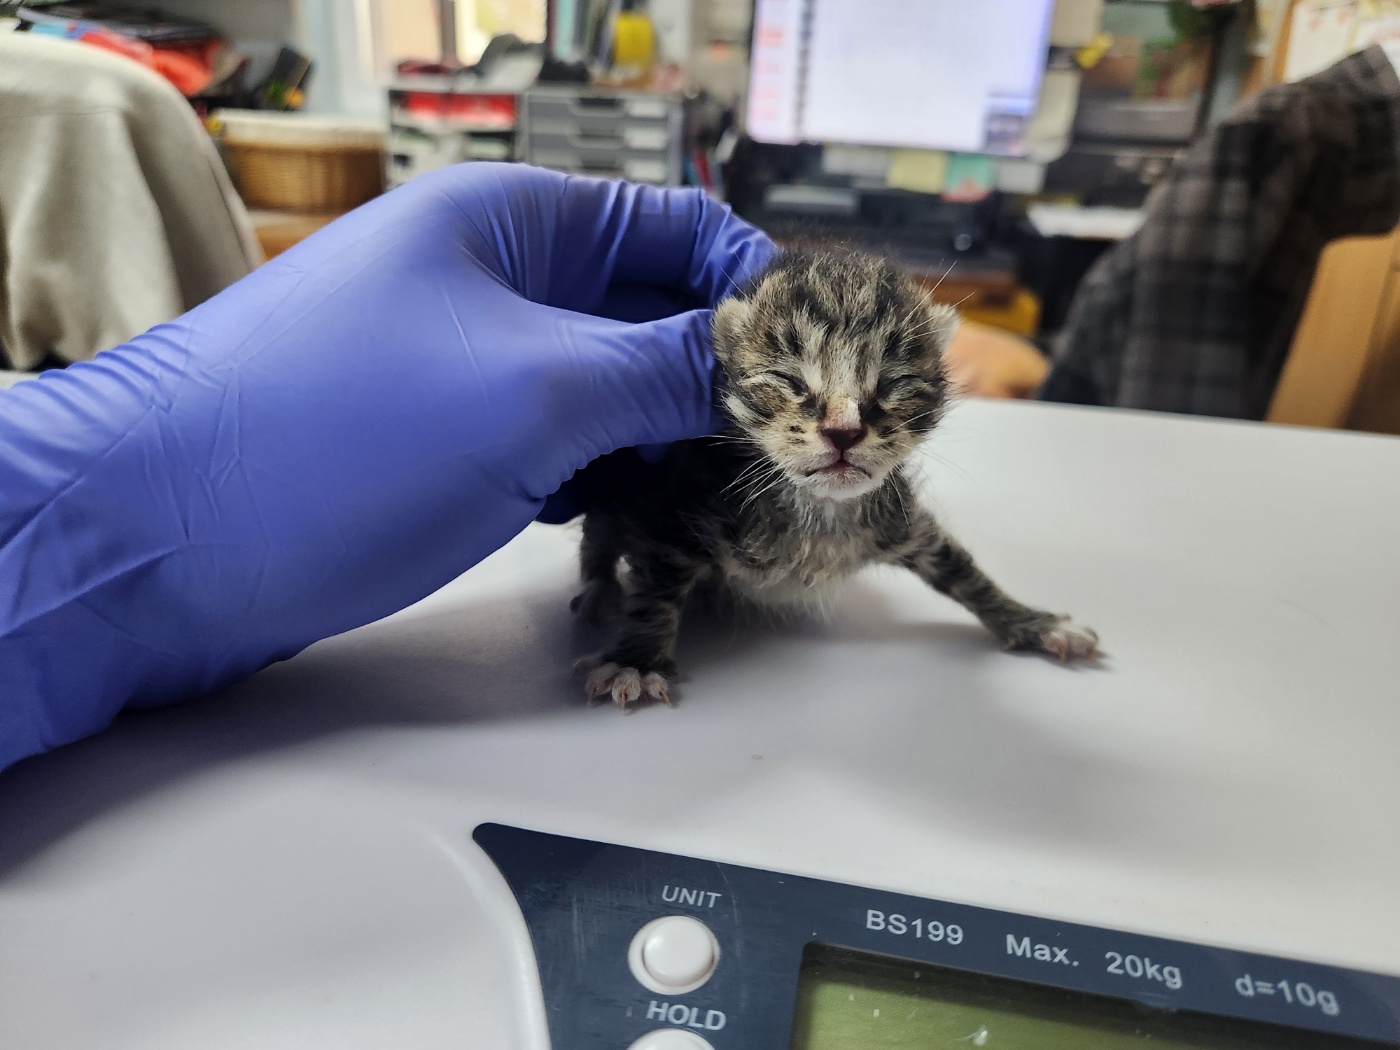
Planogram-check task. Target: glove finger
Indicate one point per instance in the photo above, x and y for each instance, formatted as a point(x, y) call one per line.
point(568, 241)
point(625, 234)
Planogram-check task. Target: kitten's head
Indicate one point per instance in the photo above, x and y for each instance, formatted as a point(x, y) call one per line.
point(835, 368)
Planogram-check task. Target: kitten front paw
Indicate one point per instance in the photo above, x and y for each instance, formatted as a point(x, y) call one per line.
point(1059, 636)
point(625, 685)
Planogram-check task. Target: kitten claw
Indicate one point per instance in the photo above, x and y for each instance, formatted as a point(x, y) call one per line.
point(625, 685)
point(1057, 636)
point(1070, 641)
point(599, 681)
point(657, 686)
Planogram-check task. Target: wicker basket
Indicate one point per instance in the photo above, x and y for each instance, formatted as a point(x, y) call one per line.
point(287, 161)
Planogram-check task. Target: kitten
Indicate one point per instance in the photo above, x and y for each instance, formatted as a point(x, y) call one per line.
point(835, 375)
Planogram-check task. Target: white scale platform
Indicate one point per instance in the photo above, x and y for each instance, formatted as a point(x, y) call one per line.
point(290, 864)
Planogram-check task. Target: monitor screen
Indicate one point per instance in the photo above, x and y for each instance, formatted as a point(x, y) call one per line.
point(936, 74)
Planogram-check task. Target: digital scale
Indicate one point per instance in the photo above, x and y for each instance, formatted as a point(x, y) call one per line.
point(865, 968)
point(874, 833)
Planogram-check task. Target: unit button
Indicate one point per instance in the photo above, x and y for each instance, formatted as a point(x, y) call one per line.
point(670, 1039)
point(673, 955)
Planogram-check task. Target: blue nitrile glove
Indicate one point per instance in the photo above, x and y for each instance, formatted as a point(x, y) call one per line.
point(342, 432)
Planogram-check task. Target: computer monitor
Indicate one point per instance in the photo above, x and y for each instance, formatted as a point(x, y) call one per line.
point(960, 75)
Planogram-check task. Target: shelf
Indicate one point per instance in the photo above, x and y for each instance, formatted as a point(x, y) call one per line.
point(447, 127)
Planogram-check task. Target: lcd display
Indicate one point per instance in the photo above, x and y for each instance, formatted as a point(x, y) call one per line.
point(852, 1001)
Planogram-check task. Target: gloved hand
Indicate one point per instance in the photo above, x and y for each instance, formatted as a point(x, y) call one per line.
point(342, 432)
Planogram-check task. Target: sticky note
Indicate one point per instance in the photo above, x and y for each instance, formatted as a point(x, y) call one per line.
point(923, 170)
point(971, 177)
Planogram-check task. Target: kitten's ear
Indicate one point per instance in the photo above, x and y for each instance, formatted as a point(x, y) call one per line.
point(730, 324)
point(940, 324)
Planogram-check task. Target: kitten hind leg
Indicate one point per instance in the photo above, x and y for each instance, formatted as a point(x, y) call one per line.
point(598, 556)
point(640, 664)
point(942, 563)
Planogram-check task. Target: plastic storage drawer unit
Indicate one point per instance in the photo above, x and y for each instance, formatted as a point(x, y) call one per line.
point(614, 134)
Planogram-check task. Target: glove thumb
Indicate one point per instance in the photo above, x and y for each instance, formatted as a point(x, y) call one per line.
point(650, 384)
point(654, 382)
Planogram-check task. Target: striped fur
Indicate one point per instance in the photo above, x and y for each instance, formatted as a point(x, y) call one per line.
point(772, 510)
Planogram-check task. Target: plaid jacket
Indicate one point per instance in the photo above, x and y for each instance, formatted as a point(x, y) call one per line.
point(1196, 312)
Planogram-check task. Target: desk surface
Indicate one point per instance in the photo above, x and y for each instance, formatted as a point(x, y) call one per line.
point(289, 863)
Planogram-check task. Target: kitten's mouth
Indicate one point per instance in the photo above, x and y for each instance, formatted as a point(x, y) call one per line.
point(837, 478)
point(842, 472)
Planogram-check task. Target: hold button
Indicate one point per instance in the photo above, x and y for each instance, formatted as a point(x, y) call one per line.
point(670, 1039)
point(673, 955)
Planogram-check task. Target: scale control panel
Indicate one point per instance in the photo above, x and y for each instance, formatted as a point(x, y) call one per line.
point(639, 950)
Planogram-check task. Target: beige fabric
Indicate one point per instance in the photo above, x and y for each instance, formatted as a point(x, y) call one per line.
point(115, 211)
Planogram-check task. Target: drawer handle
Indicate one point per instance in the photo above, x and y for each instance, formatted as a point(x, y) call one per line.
point(588, 167)
point(594, 103)
point(585, 141)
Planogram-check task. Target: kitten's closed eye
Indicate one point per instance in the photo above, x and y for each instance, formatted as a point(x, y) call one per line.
point(903, 384)
point(794, 383)
point(789, 382)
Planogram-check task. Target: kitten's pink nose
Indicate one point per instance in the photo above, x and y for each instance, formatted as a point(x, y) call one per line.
point(843, 438)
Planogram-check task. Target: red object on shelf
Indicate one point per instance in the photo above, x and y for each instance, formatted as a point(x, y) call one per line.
point(190, 68)
point(479, 111)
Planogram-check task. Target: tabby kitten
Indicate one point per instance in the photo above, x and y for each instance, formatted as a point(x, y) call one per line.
point(835, 375)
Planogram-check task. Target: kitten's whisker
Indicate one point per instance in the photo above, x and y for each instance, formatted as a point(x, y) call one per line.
point(747, 472)
point(931, 414)
point(756, 489)
point(742, 491)
point(767, 488)
point(955, 468)
point(913, 310)
point(944, 277)
point(929, 322)
point(732, 283)
point(903, 503)
point(750, 474)
point(759, 492)
point(760, 464)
